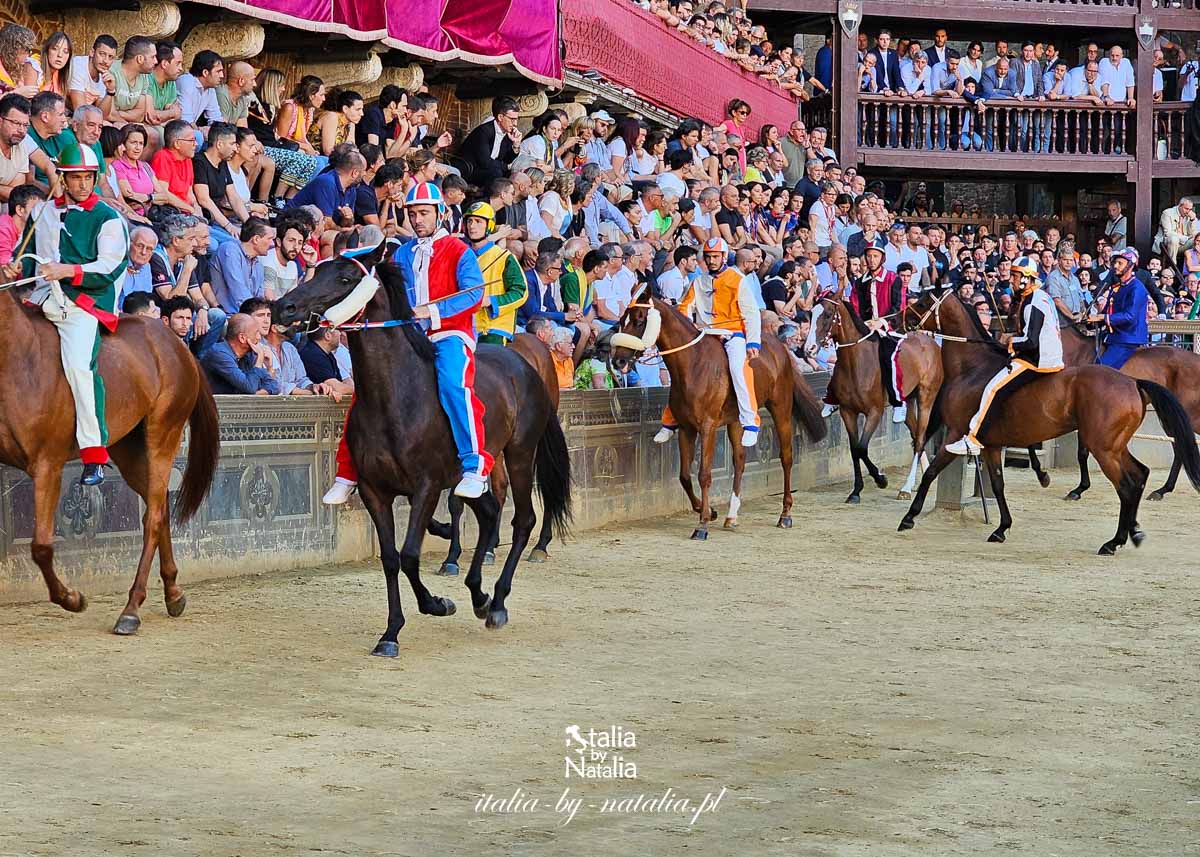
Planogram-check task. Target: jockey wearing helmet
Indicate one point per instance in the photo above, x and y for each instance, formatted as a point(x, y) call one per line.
point(1126, 328)
point(1038, 349)
point(445, 288)
point(85, 247)
point(504, 286)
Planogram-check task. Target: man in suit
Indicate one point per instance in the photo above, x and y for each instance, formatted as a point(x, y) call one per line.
point(937, 52)
point(998, 82)
point(1028, 73)
point(491, 147)
point(1176, 227)
point(887, 77)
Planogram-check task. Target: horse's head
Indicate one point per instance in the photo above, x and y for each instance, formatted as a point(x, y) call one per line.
point(924, 312)
point(637, 330)
point(339, 290)
point(826, 319)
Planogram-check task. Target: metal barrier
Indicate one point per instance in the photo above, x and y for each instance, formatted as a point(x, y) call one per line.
point(1182, 334)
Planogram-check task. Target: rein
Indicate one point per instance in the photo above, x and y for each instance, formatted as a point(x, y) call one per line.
point(684, 347)
point(838, 321)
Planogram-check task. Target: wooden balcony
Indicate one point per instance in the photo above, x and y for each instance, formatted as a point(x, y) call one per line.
point(1118, 14)
point(1169, 162)
point(1006, 136)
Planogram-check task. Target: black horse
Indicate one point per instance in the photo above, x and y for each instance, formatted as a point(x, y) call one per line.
point(400, 439)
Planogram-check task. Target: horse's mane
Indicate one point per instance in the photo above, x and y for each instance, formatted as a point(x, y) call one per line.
point(985, 336)
point(859, 324)
point(392, 280)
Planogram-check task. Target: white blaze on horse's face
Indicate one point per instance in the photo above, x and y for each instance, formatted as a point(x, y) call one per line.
point(810, 344)
point(357, 300)
point(649, 337)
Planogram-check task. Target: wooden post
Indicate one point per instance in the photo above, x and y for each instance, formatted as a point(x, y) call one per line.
point(845, 83)
point(1143, 187)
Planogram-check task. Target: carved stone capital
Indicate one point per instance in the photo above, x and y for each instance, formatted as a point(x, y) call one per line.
point(156, 19)
point(573, 109)
point(534, 104)
point(233, 40)
point(362, 71)
point(410, 77)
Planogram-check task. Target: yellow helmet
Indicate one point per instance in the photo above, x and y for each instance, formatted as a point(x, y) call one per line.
point(484, 212)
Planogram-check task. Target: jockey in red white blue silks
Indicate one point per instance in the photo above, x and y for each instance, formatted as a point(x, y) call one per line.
point(1126, 329)
point(445, 288)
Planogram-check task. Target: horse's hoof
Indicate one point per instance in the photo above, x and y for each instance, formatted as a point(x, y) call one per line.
point(1137, 537)
point(996, 537)
point(386, 649)
point(1073, 495)
point(712, 514)
point(905, 524)
point(853, 500)
point(537, 555)
point(481, 612)
point(1044, 479)
point(175, 608)
point(1107, 549)
point(730, 524)
point(785, 522)
point(448, 569)
point(1155, 495)
point(126, 625)
point(881, 481)
point(75, 602)
point(904, 495)
point(699, 535)
point(439, 606)
point(489, 558)
point(497, 619)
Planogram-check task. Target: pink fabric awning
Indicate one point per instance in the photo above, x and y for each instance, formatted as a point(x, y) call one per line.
point(633, 48)
point(490, 32)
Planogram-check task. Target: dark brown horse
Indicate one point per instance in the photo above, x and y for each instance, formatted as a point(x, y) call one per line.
point(538, 356)
point(857, 384)
point(1104, 406)
point(154, 388)
point(702, 401)
point(1177, 369)
point(399, 436)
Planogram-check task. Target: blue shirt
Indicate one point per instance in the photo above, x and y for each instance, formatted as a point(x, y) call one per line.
point(601, 209)
point(229, 375)
point(1127, 314)
point(325, 191)
point(235, 277)
point(823, 70)
point(136, 280)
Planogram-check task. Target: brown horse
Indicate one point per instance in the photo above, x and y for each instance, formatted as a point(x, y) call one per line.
point(858, 385)
point(1104, 406)
point(154, 387)
point(1177, 369)
point(537, 355)
point(702, 400)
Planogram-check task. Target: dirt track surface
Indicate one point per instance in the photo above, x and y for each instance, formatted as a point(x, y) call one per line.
point(965, 698)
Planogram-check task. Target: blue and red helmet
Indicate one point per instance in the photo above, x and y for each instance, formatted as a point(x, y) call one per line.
point(1129, 255)
point(425, 193)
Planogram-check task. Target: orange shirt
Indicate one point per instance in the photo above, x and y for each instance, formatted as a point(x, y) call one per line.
point(564, 369)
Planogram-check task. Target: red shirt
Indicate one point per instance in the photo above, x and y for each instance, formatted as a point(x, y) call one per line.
point(176, 171)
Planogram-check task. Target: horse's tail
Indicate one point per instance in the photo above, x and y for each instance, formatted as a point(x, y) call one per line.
point(1176, 423)
point(805, 406)
point(552, 468)
point(204, 447)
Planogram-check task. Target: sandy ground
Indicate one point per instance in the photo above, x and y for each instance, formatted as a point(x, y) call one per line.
point(965, 698)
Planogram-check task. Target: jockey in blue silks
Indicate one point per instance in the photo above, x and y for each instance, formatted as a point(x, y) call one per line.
point(1126, 328)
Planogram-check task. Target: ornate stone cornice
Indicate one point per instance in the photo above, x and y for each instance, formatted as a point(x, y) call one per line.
point(233, 40)
point(345, 73)
point(409, 77)
point(156, 19)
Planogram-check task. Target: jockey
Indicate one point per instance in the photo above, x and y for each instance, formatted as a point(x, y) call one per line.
point(878, 297)
point(504, 287)
point(1124, 316)
point(1038, 349)
point(89, 245)
point(445, 288)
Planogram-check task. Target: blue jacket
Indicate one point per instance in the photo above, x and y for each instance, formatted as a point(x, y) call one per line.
point(228, 375)
point(538, 303)
point(1127, 314)
point(893, 69)
point(991, 88)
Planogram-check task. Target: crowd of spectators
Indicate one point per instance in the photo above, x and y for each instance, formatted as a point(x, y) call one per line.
point(234, 193)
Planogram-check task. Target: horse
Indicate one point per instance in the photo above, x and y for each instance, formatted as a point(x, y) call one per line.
point(538, 356)
point(154, 388)
point(858, 386)
point(399, 436)
point(1177, 369)
point(702, 399)
point(1104, 406)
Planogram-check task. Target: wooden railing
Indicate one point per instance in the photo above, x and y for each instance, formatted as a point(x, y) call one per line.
point(1004, 125)
point(817, 112)
point(995, 224)
point(1169, 130)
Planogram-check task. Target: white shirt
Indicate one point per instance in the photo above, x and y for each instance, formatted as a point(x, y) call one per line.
point(891, 256)
point(499, 140)
point(918, 258)
point(672, 185)
point(618, 290)
point(1118, 78)
point(279, 277)
point(1189, 89)
point(81, 78)
point(968, 68)
point(672, 284)
point(195, 100)
point(533, 220)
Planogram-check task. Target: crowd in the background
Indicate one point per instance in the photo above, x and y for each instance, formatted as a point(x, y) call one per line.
point(235, 189)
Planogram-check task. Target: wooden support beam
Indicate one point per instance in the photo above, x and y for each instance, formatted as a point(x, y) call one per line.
point(993, 162)
point(1143, 186)
point(845, 82)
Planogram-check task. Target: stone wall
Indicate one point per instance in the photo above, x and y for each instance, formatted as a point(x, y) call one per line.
point(264, 512)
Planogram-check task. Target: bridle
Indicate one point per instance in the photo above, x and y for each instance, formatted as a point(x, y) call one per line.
point(836, 317)
point(621, 339)
point(356, 322)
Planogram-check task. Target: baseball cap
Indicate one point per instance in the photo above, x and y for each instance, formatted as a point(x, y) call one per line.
point(603, 115)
